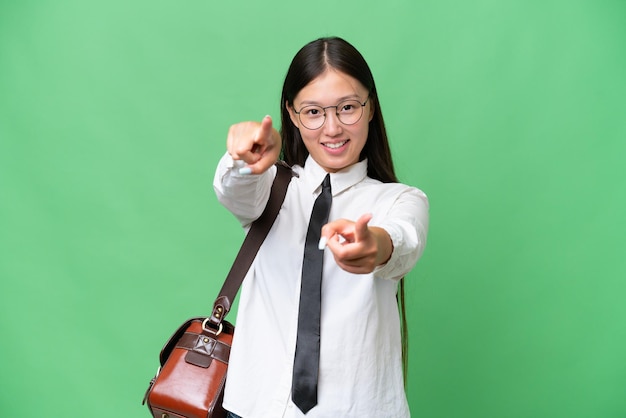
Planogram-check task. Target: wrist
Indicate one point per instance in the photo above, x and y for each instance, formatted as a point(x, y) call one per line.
point(384, 245)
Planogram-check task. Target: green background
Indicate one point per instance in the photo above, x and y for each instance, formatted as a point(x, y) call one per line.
point(510, 115)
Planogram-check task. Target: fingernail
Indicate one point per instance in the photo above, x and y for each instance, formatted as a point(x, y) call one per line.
point(245, 171)
point(322, 243)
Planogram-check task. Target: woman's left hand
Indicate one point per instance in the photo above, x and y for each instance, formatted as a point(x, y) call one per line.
point(357, 248)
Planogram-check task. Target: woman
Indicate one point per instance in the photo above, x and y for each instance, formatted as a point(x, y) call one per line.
point(332, 126)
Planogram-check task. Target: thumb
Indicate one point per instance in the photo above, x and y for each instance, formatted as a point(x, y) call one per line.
point(360, 227)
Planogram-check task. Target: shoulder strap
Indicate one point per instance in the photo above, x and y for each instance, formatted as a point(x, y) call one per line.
point(250, 247)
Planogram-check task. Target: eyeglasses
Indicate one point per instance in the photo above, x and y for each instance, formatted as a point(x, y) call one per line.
point(348, 112)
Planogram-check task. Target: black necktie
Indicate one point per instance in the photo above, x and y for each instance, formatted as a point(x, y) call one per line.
point(306, 362)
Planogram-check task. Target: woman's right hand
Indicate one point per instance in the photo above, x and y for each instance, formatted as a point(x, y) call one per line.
point(257, 144)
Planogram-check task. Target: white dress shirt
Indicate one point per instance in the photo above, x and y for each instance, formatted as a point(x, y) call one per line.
point(360, 371)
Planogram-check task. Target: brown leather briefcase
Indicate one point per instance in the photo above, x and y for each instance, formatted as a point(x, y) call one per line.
point(190, 381)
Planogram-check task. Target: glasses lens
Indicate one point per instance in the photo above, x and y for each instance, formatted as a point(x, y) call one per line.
point(312, 117)
point(349, 112)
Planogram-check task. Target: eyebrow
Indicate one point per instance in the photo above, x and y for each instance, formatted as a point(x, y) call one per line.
point(341, 99)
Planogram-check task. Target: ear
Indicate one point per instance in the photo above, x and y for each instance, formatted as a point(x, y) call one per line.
point(372, 111)
point(292, 115)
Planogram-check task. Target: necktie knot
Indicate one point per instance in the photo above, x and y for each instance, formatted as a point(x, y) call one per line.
point(326, 184)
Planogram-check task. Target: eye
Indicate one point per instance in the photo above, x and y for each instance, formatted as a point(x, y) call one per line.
point(312, 111)
point(348, 107)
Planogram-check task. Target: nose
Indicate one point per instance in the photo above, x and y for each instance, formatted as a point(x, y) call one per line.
point(332, 127)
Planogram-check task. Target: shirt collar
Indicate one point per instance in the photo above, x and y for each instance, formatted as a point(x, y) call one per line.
point(341, 180)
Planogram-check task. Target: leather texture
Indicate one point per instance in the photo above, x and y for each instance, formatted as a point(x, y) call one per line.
point(203, 348)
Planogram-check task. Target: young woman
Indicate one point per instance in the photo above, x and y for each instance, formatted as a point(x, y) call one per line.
point(332, 125)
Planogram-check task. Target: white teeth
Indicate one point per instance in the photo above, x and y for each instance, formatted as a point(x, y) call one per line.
point(336, 145)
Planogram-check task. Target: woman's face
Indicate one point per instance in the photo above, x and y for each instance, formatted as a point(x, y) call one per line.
point(335, 145)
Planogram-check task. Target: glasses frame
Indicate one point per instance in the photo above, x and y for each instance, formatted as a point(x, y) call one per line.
point(336, 112)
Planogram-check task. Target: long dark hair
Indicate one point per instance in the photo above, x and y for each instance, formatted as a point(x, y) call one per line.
point(309, 63)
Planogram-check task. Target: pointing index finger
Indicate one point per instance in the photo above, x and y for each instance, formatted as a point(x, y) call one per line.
point(360, 227)
point(264, 130)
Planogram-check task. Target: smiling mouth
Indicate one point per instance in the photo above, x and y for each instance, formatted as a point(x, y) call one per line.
point(335, 145)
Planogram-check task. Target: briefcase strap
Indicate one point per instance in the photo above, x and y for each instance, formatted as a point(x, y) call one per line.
point(250, 247)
